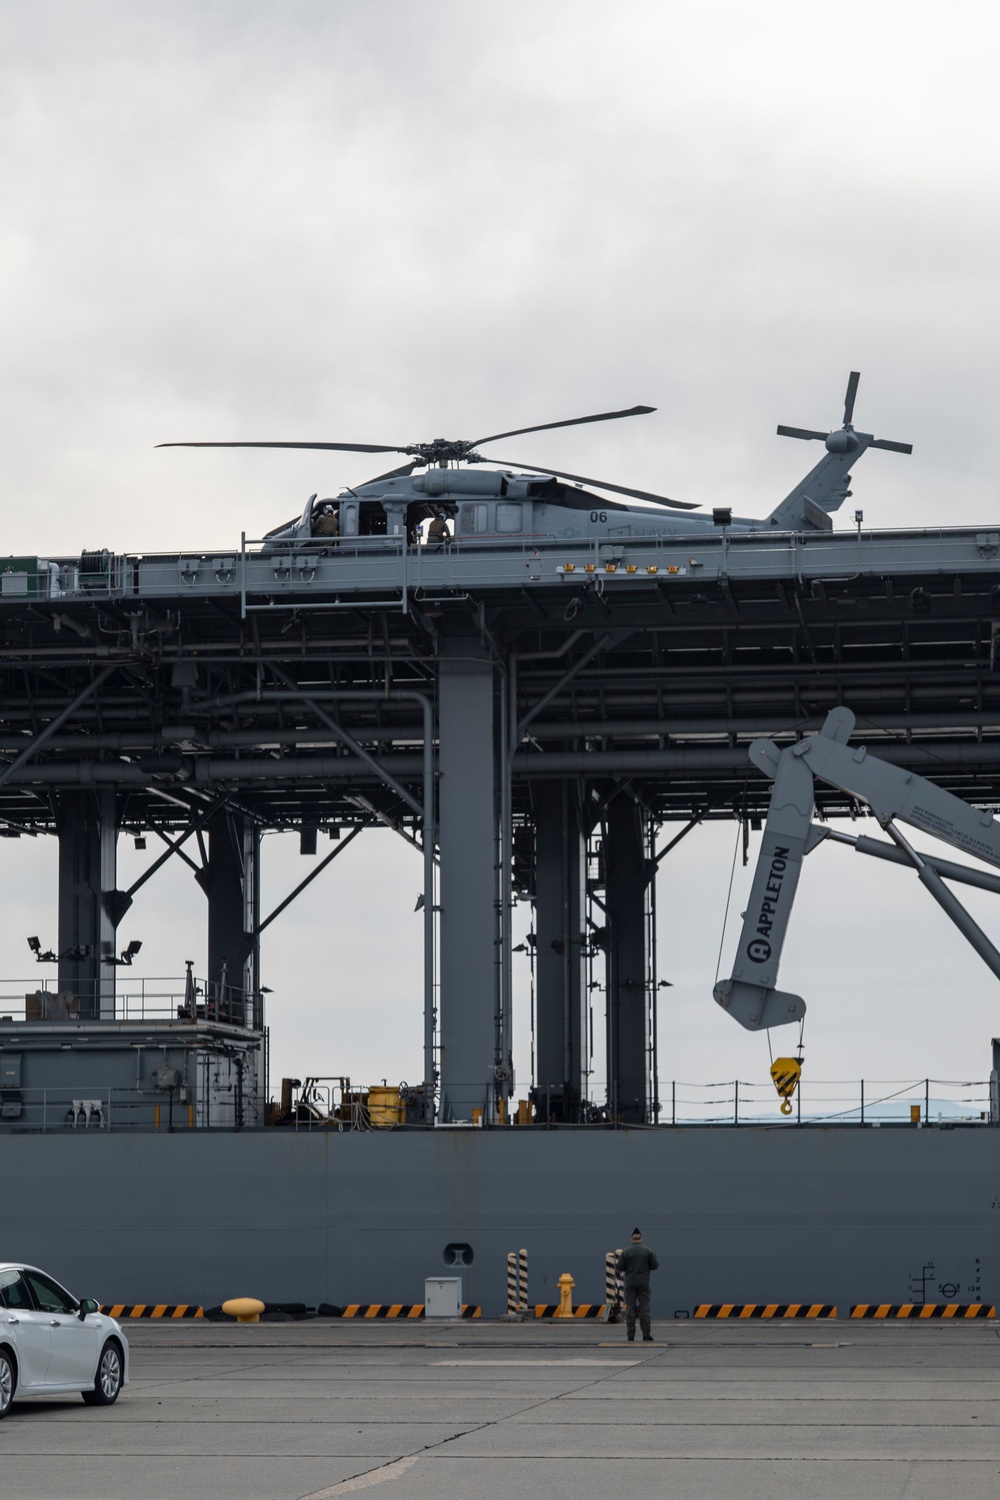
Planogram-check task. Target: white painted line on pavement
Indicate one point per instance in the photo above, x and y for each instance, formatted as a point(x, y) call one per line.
point(536, 1364)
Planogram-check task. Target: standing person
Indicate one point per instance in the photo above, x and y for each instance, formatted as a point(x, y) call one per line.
point(437, 532)
point(635, 1263)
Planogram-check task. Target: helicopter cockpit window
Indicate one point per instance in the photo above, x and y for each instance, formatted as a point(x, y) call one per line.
point(475, 518)
point(508, 516)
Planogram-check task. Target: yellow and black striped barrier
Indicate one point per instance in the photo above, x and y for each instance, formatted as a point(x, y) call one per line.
point(765, 1310)
point(153, 1310)
point(922, 1310)
point(582, 1310)
point(398, 1310)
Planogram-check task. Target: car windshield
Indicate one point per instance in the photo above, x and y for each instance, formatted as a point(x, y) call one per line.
point(13, 1291)
point(49, 1295)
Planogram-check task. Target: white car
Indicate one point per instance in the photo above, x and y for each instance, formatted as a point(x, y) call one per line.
point(52, 1344)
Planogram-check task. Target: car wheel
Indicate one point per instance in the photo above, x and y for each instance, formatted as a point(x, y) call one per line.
point(8, 1380)
point(108, 1381)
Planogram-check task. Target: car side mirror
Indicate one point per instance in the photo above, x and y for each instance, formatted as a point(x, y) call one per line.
point(88, 1305)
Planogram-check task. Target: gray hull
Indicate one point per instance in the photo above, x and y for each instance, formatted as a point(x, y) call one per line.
point(754, 1214)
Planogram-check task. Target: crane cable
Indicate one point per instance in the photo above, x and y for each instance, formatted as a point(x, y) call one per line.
point(729, 897)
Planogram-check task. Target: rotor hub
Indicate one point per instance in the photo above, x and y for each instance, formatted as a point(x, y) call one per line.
point(442, 451)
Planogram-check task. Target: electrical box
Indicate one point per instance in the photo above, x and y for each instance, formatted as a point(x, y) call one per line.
point(19, 575)
point(10, 1086)
point(443, 1297)
point(10, 1071)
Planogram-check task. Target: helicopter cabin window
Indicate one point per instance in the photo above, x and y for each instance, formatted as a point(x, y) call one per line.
point(508, 516)
point(475, 518)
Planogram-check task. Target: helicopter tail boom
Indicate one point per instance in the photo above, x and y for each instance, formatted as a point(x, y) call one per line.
point(825, 488)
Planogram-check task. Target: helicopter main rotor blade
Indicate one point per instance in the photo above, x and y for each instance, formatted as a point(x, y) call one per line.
point(852, 391)
point(602, 416)
point(340, 447)
point(802, 432)
point(892, 447)
point(601, 484)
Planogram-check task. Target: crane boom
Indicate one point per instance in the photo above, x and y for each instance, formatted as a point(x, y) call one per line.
point(892, 793)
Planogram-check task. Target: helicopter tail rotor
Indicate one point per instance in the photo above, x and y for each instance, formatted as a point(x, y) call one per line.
point(845, 439)
point(801, 432)
point(852, 391)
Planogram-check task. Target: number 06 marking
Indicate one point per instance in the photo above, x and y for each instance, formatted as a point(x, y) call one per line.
point(598, 515)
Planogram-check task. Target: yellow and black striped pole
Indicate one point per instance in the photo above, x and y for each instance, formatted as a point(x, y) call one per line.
point(522, 1281)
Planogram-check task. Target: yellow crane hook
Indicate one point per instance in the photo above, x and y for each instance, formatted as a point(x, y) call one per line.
point(785, 1074)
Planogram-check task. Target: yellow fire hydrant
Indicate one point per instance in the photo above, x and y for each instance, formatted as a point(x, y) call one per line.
point(565, 1285)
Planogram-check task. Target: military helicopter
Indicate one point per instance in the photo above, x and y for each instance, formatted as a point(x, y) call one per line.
point(522, 501)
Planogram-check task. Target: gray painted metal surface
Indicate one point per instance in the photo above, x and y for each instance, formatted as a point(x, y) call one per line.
point(470, 1052)
point(384, 571)
point(789, 835)
point(195, 1070)
point(755, 1214)
point(560, 941)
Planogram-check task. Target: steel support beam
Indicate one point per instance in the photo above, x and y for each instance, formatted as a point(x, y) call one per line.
point(231, 881)
point(317, 870)
point(468, 880)
point(87, 851)
point(38, 740)
point(938, 757)
point(628, 1026)
point(560, 1028)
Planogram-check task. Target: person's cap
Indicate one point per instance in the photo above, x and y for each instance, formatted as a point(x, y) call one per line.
point(636, 1232)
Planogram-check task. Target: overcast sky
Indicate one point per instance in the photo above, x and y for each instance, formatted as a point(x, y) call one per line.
point(390, 220)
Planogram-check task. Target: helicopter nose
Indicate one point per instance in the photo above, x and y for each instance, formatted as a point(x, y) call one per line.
point(844, 441)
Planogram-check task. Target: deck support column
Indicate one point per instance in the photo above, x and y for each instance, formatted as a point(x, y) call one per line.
point(560, 1028)
point(628, 1014)
point(470, 1025)
point(231, 881)
point(87, 833)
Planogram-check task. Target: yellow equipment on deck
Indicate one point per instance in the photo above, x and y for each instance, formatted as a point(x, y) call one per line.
point(385, 1107)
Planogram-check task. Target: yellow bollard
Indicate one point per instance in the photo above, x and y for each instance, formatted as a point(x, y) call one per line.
point(565, 1285)
point(243, 1309)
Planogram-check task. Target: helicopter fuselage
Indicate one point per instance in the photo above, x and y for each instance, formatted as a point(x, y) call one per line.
point(490, 505)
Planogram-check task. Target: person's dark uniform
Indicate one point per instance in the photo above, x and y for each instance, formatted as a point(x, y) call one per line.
point(635, 1263)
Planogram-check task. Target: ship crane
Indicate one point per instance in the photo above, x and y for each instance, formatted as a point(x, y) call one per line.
point(894, 795)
